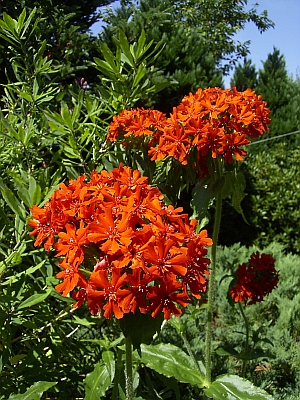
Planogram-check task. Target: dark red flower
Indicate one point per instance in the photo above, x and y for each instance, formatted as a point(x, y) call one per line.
point(255, 279)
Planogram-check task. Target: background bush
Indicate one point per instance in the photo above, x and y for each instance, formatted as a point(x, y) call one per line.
point(274, 325)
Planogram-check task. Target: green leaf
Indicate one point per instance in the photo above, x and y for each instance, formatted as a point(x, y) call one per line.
point(34, 392)
point(98, 381)
point(140, 327)
point(35, 191)
point(21, 20)
point(109, 361)
point(30, 270)
point(14, 360)
point(124, 45)
point(66, 115)
point(202, 196)
point(12, 259)
point(141, 72)
point(232, 387)
point(170, 360)
point(82, 321)
point(109, 57)
point(105, 68)
point(26, 96)
point(238, 193)
point(10, 22)
point(19, 228)
point(12, 201)
point(28, 22)
point(140, 45)
point(34, 299)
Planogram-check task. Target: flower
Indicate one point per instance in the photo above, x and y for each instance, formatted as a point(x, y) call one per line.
point(121, 248)
point(255, 279)
point(217, 123)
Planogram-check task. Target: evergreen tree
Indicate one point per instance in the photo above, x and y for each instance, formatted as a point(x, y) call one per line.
point(280, 93)
point(245, 76)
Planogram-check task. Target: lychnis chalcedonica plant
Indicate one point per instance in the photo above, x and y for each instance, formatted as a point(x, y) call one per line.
point(131, 255)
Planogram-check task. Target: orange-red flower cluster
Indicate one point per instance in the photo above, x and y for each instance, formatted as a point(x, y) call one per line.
point(255, 279)
point(121, 246)
point(214, 121)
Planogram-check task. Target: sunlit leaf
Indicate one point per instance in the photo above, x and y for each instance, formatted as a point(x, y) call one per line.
point(34, 299)
point(169, 360)
point(34, 392)
point(99, 380)
point(233, 387)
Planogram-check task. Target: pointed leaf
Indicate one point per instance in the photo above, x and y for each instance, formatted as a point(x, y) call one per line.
point(34, 299)
point(12, 201)
point(30, 270)
point(28, 21)
point(97, 382)
point(140, 328)
point(35, 191)
point(141, 72)
point(170, 360)
point(34, 392)
point(238, 193)
point(232, 387)
point(124, 45)
point(26, 96)
point(66, 115)
point(21, 20)
point(109, 361)
point(10, 22)
point(105, 68)
point(109, 57)
point(141, 43)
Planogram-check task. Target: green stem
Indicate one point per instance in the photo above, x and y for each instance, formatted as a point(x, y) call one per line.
point(191, 354)
point(247, 339)
point(129, 383)
point(119, 368)
point(211, 289)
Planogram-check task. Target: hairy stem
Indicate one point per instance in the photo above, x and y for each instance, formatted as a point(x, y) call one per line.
point(129, 383)
point(247, 339)
point(191, 354)
point(119, 367)
point(211, 289)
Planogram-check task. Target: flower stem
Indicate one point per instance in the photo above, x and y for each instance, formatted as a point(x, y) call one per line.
point(211, 289)
point(191, 354)
point(129, 383)
point(119, 368)
point(247, 339)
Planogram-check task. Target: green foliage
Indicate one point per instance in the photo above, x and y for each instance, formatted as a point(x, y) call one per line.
point(126, 76)
point(170, 361)
point(34, 392)
point(99, 380)
point(215, 21)
point(274, 336)
point(245, 76)
point(218, 21)
point(178, 69)
point(65, 28)
point(232, 387)
point(273, 187)
point(279, 91)
point(52, 131)
point(49, 133)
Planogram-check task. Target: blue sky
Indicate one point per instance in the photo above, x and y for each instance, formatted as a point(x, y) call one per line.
point(285, 36)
